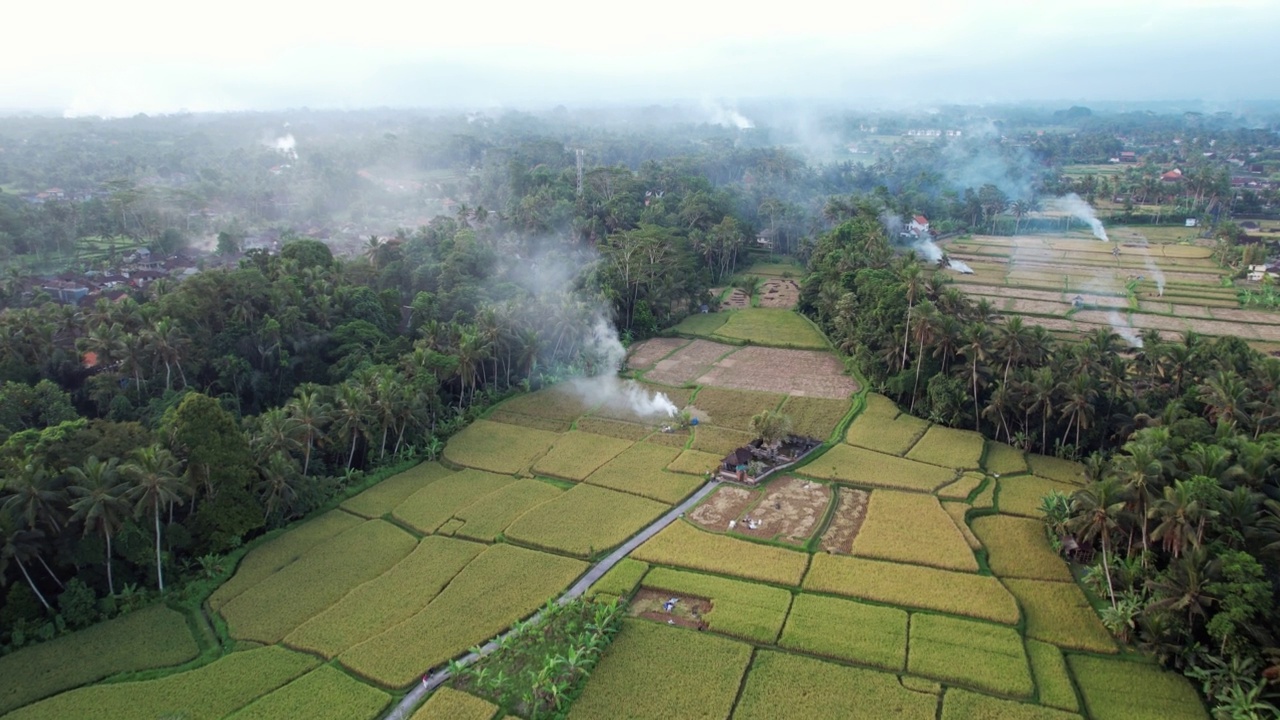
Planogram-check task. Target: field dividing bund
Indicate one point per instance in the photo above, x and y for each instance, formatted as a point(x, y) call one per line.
point(780, 683)
point(575, 455)
point(206, 693)
point(977, 654)
point(279, 603)
point(1041, 277)
point(680, 673)
point(1019, 548)
point(912, 586)
point(1023, 494)
point(847, 630)
point(149, 638)
point(429, 508)
point(498, 447)
point(584, 521)
point(500, 586)
point(386, 495)
point(325, 693)
point(859, 466)
point(388, 599)
point(486, 518)
point(640, 470)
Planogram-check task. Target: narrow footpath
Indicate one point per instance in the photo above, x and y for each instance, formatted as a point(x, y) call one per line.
point(405, 708)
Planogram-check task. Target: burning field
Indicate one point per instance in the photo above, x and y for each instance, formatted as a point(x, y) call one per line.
point(1074, 284)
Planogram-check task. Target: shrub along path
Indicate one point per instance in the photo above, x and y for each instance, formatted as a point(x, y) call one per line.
point(414, 698)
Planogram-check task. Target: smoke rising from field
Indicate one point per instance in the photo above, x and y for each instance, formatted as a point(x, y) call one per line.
point(922, 243)
point(959, 265)
point(286, 146)
point(605, 353)
point(1155, 271)
point(1124, 329)
point(1082, 211)
point(720, 114)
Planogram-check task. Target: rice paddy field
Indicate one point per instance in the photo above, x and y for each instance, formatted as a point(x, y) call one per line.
point(1142, 279)
point(903, 570)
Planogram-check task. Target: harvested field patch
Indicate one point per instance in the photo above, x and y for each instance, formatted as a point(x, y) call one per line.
point(746, 610)
point(1116, 689)
point(670, 608)
point(860, 466)
point(808, 373)
point(386, 495)
point(646, 354)
point(563, 401)
point(503, 584)
point(782, 683)
point(912, 528)
point(912, 586)
point(681, 545)
point(1057, 469)
point(718, 441)
point(695, 462)
point(948, 447)
point(575, 455)
point(698, 674)
point(274, 554)
point(584, 521)
point(433, 505)
point(284, 600)
point(847, 630)
point(325, 693)
point(388, 599)
point(1052, 677)
point(689, 362)
point(957, 511)
point(487, 517)
point(449, 704)
point(614, 428)
point(1059, 613)
point(779, 294)
point(1018, 548)
point(1023, 494)
point(734, 408)
point(207, 693)
point(772, 326)
point(721, 507)
point(892, 437)
point(846, 521)
point(497, 447)
point(978, 654)
point(737, 299)
point(1004, 459)
point(962, 488)
point(814, 417)
point(789, 512)
point(149, 638)
point(621, 580)
point(638, 470)
point(960, 704)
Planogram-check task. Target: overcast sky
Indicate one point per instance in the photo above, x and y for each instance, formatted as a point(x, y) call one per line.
point(88, 57)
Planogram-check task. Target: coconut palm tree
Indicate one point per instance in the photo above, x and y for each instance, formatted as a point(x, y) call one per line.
point(1097, 513)
point(976, 347)
point(312, 415)
point(1141, 469)
point(913, 287)
point(101, 502)
point(157, 481)
point(20, 544)
point(1182, 517)
point(33, 495)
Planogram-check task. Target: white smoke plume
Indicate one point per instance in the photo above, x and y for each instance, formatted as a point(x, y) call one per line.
point(1155, 272)
point(1124, 329)
point(603, 386)
point(286, 146)
point(960, 266)
point(922, 243)
point(719, 114)
point(1082, 211)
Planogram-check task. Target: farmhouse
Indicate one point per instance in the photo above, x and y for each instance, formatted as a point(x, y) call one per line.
point(1258, 272)
point(1128, 156)
point(919, 226)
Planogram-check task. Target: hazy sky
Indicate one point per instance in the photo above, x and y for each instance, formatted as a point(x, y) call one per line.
point(129, 56)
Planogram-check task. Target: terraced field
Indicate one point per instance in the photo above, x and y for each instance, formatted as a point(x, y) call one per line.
point(1073, 284)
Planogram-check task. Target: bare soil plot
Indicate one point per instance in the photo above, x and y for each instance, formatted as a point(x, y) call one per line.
point(644, 355)
point(688, 611)
point(851, 511)
point(687, 363)
point(1261, 317)
point(779, 294)
point(736, 300)
point(789, 512)
point(723, 506)
point(808, 373)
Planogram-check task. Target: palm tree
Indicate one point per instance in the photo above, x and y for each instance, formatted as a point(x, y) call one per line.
point(1041, 391)
point(1226, 396)
point(1013, 341)
point(19, 544)
point(349, 415)
point(101, 502)
point(927, 316)
point(977, 341)
point(913, 286)
point(1081, 397)
point(312, 415)
point(157, 480)
point(1141, 469)
point(1098, 510)
point(1181, 516)
point(33, 495)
